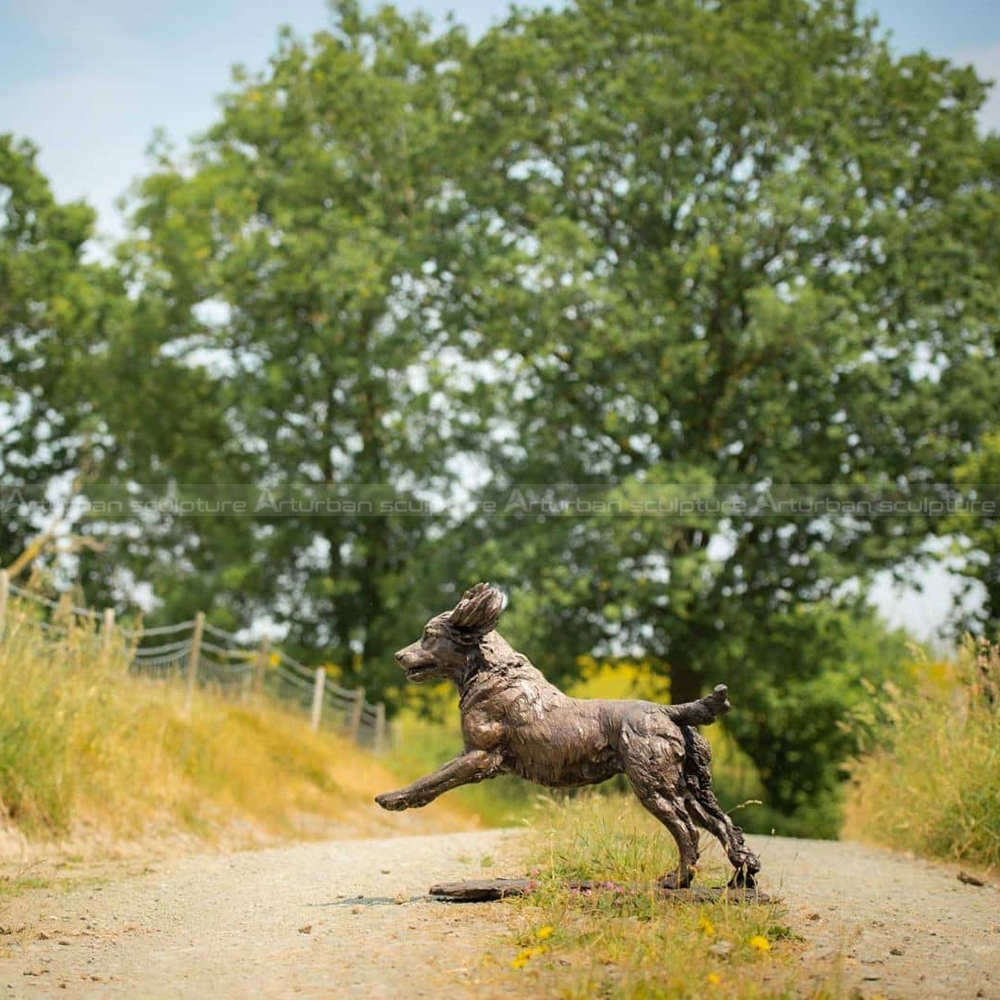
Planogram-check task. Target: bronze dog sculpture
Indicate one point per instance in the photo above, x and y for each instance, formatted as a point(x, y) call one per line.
point(515, 722)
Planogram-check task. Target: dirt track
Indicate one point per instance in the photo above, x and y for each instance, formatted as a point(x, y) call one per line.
point(349, 918)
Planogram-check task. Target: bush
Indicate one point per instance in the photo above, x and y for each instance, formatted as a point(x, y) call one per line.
point(49, 689)
point(810, 671)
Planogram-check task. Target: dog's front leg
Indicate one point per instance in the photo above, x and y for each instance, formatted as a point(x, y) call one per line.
point(470, 767)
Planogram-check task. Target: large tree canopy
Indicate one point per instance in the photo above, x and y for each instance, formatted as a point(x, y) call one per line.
point(977, 533)
point(722, 245)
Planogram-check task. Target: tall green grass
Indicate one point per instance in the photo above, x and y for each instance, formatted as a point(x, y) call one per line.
point(932, 784)
point(49, 686)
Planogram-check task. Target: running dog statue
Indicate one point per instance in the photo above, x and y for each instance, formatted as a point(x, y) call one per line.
point(515, 722)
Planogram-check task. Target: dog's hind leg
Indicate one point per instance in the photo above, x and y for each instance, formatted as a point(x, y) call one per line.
point(653, 768)
point(716, 822)
point(705, 810)
point(671, 812)
point(467, 769)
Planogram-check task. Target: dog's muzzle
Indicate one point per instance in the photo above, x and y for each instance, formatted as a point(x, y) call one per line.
point(414, 671)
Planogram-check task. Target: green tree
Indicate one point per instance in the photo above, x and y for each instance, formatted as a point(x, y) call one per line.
point(730, 246)
point(56, 312)
point(283, 264)
point(655, 251)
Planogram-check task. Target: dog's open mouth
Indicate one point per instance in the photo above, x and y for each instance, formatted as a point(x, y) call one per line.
point(419, 672)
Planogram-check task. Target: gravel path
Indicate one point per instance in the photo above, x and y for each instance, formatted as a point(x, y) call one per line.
point(317, 920)
point(350, 918)
point(885, 924)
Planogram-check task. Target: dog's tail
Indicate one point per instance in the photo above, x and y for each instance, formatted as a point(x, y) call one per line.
point(703, 711)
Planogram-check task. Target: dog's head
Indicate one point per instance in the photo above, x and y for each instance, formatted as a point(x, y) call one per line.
point(443, 649)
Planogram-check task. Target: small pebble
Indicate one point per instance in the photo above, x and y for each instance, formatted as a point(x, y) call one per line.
point(970, 879)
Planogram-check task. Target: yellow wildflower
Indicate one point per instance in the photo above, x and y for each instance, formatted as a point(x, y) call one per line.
point(525, 955)
point(544, 933)
point(760, 943)
point(706, 925)
point(713, 979)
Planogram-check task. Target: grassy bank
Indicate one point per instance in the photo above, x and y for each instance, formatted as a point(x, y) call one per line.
point(932, 786)
point(88, 751)
point(623, 939)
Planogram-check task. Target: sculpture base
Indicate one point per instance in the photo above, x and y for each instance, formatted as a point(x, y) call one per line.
point(489, 890)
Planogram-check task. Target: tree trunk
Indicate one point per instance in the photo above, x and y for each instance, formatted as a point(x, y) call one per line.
point(685, 682)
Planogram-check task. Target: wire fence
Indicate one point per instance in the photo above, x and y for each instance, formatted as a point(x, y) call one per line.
point(204, 655)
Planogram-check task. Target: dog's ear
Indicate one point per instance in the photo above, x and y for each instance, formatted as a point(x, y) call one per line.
point(479, 609)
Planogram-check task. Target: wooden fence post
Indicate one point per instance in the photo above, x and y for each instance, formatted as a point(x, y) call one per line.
point(379, 744)
point(193, 657)
point(107, 632)
point(317, 706)
point(4, 591)
point(263, 657)
point(354, 727)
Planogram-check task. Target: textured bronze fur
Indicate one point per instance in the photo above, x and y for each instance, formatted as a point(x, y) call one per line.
point(515, 722)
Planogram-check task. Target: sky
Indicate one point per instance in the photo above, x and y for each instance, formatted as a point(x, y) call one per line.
point(89, 83)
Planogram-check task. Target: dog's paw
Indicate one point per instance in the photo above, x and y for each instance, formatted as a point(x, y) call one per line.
point(392, 801)
point(743, 879)
point(673, 880)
